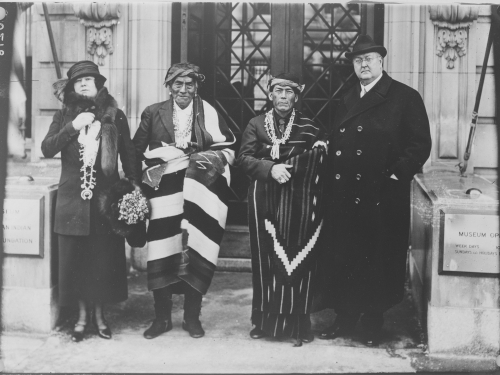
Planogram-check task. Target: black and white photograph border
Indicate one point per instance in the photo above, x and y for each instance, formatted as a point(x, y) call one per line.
point(401, 98)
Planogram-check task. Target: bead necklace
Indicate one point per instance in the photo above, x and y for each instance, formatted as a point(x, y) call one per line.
point(271, 133)
point(182, 135)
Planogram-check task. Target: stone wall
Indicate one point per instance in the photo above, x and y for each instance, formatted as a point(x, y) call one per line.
point(439, 51)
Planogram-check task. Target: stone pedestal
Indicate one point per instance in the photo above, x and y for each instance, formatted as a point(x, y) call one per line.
point(455, 263)
point(29, 295)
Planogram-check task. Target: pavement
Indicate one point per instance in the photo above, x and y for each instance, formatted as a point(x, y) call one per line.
point(227, 346)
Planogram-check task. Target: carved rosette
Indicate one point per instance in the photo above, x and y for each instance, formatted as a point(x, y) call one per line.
point(453, 22)
point(99, 19)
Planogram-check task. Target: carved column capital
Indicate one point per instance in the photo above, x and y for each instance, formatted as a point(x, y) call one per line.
point(453, 22)
point(98, 18)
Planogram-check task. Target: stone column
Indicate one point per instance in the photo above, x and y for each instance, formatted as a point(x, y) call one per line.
point(433, 49)
point(450, 75)
point(149, 34)
point(403, 26)
point(131, 43)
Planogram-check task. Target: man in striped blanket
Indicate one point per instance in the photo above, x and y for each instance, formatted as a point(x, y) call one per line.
point(186, 149)
point(279, 153)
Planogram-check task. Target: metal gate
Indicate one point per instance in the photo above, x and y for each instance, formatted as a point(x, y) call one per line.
point(238, 46)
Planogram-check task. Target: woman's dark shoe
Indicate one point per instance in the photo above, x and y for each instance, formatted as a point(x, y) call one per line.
point(158, 327)
point(257, 333)
point(194, 328)
point(78, 332)
point(103, 332)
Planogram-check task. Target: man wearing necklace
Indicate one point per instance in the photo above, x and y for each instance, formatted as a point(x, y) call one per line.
point(184, 150)
point(280, 153)
point(380, 140)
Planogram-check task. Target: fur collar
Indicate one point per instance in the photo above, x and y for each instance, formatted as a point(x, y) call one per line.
point(100, 105)
point(104, 107)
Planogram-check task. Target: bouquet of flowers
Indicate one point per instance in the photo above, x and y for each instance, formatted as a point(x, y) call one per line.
point(133, 207)
point(126, 209)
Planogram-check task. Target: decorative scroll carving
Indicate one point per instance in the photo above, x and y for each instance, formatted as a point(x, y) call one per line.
point(99, 19)
point(453, 22)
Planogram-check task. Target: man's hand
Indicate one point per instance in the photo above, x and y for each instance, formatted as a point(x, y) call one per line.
point(83, 119)
point(279, 172)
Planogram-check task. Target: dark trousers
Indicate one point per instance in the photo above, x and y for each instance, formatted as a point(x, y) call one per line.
point(192, 301)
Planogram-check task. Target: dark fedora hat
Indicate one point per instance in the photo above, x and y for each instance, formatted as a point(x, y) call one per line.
point(83, 69)
point(365, 44)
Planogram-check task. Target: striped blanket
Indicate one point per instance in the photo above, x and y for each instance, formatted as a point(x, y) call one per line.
point(191, 195)
point(285, 223)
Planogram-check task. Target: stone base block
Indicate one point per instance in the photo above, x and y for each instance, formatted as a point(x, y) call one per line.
point(463, 331)
point(29, 309)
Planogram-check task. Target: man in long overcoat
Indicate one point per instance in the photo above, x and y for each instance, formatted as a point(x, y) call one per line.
point(380, 140)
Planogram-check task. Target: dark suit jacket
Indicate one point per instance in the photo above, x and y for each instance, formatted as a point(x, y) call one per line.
point(384, 133)
point(75, 216)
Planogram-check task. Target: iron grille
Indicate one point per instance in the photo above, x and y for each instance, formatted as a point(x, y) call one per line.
point(329, 31)
point(243, 60)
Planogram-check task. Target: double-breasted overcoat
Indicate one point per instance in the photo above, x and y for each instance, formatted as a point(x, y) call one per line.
point(384, 134)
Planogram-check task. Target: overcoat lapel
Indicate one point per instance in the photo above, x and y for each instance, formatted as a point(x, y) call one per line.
point(166, 115)
point(375, 97)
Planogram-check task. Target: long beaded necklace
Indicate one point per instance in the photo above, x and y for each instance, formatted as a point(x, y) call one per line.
point(88, 138)
point(271, 133)
point(182, 134)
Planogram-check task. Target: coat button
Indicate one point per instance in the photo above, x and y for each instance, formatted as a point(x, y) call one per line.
point(358, 177)
point(357, 200)
point(342, 130)
point(338, 153)
point(360, 128)
point(337, 176)
point(358, 152)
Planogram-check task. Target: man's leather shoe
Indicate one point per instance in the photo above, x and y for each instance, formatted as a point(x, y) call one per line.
point(194, 328)
point(257, 333)
point(372, 323)
point(307, 337)
point(158, 327)
point(372, 338)
point(343, 325)
point(332, 332)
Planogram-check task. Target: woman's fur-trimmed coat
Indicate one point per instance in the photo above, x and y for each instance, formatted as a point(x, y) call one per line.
point(75, 216)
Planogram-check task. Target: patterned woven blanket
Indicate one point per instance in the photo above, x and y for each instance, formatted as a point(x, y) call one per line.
point(193, 192)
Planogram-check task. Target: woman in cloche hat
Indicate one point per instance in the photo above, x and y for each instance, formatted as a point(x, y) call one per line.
point(89, 133)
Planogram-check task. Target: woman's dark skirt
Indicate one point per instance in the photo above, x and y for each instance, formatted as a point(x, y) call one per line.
point(92, 269)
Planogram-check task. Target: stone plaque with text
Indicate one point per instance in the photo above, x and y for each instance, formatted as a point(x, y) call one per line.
point(471, 243)
point(23, 226)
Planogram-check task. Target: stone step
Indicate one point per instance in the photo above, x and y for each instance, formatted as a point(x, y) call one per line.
point(237, 228)
point(235, 243)
point(234, 265)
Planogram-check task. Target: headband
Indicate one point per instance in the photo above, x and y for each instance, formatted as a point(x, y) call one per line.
point(179, 72)
point(284, 82)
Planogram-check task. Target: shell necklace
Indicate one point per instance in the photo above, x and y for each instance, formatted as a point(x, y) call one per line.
point(271, 133)
point(182, 131)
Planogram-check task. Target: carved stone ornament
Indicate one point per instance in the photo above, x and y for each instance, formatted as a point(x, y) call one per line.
point(99, 19)
point(453, 22)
